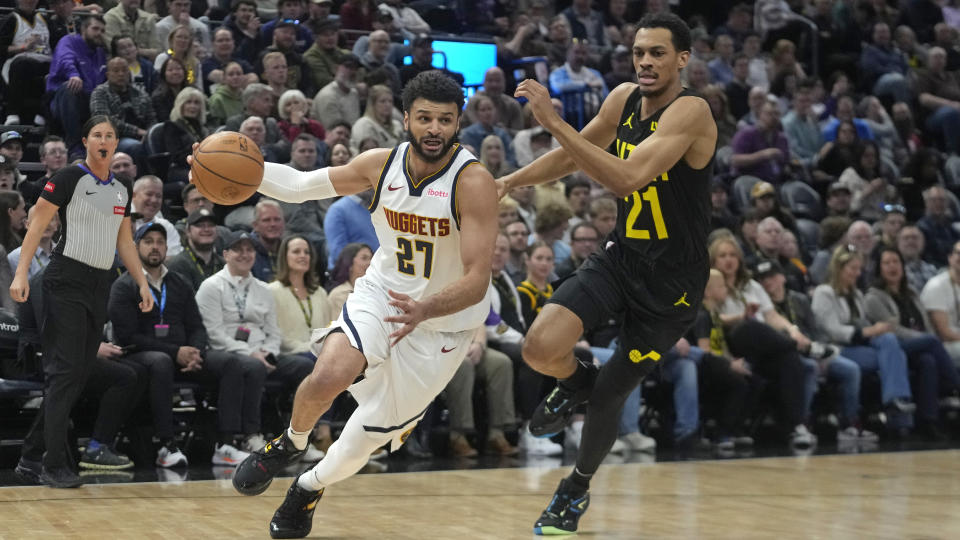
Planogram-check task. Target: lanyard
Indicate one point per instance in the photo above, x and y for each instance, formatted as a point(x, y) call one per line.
point(241, 302)
point(42, 264)
point(162, 302)
point(197, 262)
point(307, 311)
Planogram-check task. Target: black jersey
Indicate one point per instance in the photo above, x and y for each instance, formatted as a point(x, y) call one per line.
point(666, 222)
point(91, 211)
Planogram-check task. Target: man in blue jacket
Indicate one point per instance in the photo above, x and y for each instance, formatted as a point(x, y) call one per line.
point(78, 66)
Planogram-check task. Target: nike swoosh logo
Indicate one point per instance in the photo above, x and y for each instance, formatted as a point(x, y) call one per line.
point(391, 188)
point(90, 192)
point(446, 350)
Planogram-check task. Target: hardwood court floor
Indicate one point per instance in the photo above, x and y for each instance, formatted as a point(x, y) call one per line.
point(873, 496)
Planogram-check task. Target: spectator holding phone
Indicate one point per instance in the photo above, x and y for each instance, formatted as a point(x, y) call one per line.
point(170, 343)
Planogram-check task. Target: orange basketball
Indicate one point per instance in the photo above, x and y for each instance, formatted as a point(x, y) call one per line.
point(227, 167)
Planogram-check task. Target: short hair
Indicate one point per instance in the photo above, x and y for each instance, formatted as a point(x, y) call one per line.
point(49, 139)
point(551, 216)
point(808, 84)
point(237, 3)
point(573, 183)
point(90, 19)
point(263, 204)
point(143, 181)
point(306, 137)
point(116, 39)
point(252, 91)
point(537, 245)
point(433, 85)
point(287, 97)
point(679, 31)
point(583, 225)
point(182, 97)
point(342, 123)
point(740, 56)
point(832, 229)
point(602, 205)
point(272, 56)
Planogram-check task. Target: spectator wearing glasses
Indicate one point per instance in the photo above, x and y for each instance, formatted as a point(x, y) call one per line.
point(584, 240)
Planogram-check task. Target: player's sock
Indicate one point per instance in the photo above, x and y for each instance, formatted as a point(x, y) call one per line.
point(582, 377)
point(309, 482)
point(298, 438)
point(579, 482)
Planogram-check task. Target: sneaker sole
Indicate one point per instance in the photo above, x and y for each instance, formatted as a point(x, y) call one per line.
point(102, 467)
point(552, 531)
point(27, 475)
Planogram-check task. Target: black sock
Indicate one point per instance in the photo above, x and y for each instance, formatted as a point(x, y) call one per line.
point(578, 483)
point(582, 377)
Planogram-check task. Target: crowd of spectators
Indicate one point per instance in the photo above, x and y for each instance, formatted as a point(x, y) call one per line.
point(835, 247)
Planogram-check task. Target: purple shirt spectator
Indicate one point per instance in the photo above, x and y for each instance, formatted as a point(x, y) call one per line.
point(74, 57)
point(755, 148)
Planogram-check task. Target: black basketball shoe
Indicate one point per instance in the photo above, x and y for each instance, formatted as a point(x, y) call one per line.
point(553, 413)
point(254, 475)
point(294, 518)
point(563, 512)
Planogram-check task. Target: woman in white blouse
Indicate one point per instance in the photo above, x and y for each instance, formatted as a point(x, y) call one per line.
point(301, 302)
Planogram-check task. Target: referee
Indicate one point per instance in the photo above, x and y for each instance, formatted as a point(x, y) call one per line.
point(94, 210)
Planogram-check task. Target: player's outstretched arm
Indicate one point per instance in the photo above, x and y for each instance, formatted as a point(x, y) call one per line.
point(557, 163)
point(287, 184)
point(477, 201)
point(685, 123)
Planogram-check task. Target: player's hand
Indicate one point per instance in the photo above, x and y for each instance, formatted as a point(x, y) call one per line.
point(503, 187)
point(540, 104)
point(193, 150)
point(19, 288)
point(413, 314)
point(146, 299)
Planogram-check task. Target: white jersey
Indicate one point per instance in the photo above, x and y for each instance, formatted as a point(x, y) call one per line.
point(418, 225)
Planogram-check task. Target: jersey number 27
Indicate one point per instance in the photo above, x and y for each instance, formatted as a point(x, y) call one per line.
point(405, 256)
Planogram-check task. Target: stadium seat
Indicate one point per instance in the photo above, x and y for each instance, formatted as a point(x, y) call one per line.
point(741, 191)
point(809, 232)
point(157, 156)
point(802, 200)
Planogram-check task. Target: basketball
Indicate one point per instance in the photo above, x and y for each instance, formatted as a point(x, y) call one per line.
point(227, 168)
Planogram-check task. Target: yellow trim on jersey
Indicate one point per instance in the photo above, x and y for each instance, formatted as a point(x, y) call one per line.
point(406, 166)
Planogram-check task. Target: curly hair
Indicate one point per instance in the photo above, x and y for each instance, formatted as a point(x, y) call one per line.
point(550, 216)
point(433, 85)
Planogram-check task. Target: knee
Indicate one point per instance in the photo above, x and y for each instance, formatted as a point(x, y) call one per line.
point(326, 381)
point(160, 364)
point(539, 351)
point(886, 341)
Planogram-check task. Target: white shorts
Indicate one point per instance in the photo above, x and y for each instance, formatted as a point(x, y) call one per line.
point(401, 381)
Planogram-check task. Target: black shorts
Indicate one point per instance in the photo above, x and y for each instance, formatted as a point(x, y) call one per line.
point(655, 305)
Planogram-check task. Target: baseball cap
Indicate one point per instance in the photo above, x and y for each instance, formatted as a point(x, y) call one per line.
point(287, 22)
point(235, 238)
point(326, 25)
point(147, 227)
point(838, 186)
point(762, 189)
point(766, 268)
point(10, 136)
point(199, 215)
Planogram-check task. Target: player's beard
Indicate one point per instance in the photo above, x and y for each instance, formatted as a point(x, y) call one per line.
point(430, 157)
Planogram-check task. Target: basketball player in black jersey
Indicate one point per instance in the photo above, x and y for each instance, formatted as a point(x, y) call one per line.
point(653, 269)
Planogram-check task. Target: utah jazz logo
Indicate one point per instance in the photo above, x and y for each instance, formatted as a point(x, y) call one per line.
point(682, 301)
point(406, 434)
point(636, 357)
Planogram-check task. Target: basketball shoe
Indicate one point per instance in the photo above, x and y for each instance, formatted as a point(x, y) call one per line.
point(294, 518)
point(256, 472)
point(563, 512)
point(555, 410)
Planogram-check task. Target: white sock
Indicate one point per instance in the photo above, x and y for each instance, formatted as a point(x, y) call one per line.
point(299, 438)
point(309, 482)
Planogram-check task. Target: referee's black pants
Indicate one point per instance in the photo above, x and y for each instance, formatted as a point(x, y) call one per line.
point(74, 311)
point(114, 385)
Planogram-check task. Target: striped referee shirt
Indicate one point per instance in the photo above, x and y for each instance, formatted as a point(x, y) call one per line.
point(91, 211)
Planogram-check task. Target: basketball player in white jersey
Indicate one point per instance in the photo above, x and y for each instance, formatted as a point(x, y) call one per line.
point(408, 324)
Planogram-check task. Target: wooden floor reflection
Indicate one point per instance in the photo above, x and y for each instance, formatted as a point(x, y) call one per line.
point(875, 496)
